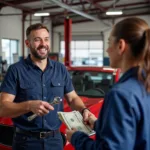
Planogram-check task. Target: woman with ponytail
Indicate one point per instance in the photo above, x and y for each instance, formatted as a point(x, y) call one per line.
point(124, 122)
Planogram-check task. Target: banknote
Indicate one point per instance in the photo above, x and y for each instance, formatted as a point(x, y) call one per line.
point(75, 119)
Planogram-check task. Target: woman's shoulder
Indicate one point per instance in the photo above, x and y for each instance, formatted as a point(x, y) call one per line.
point(131, 91)
point(132, 85)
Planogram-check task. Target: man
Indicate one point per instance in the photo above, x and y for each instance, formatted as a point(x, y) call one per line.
point(29, 87)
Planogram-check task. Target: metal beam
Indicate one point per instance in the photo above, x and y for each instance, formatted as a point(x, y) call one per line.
point(96, 5)
point(131, 4)
point(15, 6)
point(73, 10)
point(18, 2)
point(10, 14)
point(72, 4)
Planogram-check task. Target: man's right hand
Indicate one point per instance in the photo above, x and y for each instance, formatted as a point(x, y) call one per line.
point(40, 107)
point(91, 120)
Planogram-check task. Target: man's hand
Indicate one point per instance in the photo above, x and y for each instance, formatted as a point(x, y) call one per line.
point(89, 118)
point(40, 107)
point(86, 113)
point(69, 133)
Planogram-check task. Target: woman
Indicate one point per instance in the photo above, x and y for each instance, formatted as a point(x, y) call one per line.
point(123, 123)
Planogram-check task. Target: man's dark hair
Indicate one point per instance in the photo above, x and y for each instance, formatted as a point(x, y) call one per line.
point(36, 26)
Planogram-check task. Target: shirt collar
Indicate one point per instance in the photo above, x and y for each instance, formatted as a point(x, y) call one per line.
point(132, 72)
point(30, 62)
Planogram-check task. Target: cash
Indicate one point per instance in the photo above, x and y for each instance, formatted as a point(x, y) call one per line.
point(75, 120)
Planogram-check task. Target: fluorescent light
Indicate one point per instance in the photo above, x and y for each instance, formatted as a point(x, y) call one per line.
point(114, 12)
point(41, 14)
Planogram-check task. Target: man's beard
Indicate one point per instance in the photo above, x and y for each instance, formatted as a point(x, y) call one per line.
point(38, 56)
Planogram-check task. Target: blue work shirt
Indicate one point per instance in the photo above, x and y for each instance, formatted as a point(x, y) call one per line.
point(28, 82)
point(124, 122)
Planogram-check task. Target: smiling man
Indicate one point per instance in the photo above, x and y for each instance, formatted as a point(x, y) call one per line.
point(29, 87)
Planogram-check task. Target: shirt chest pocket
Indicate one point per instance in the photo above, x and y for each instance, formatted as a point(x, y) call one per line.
point(27, 89)
point(57, 88)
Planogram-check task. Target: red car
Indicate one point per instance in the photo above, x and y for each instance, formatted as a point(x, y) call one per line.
point(90, 83)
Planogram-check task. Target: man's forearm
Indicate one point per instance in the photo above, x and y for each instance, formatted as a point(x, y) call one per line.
point(77, 104)
point(12, 110)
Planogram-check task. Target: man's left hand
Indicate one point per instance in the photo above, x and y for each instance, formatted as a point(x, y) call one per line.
point(86, 114)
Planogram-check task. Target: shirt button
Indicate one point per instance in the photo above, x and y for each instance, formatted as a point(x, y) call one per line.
point(44, 97)
point(58, 83)
point(43, 84)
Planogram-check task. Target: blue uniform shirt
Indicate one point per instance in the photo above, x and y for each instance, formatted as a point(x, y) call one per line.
point(124, 122)
point(28, 82)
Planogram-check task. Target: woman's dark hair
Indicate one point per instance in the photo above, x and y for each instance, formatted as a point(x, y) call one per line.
point(36, 26)
point(136, 33)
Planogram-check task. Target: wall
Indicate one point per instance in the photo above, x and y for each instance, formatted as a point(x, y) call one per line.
point(91, 28)
point(87, 28)
point(11, 26)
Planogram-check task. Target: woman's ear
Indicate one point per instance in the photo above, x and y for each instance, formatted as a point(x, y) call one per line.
point(122, 46)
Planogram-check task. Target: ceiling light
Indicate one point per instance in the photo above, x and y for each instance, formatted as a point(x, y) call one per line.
point(113, 12)
point(41, 14)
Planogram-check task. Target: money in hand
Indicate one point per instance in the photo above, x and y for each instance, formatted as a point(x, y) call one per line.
point(75, 120)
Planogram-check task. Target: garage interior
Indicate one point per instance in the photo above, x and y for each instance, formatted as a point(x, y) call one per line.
point(87, 20)
point(79, 31)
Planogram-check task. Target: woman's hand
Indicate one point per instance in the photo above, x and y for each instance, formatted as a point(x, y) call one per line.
point(69, 133)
